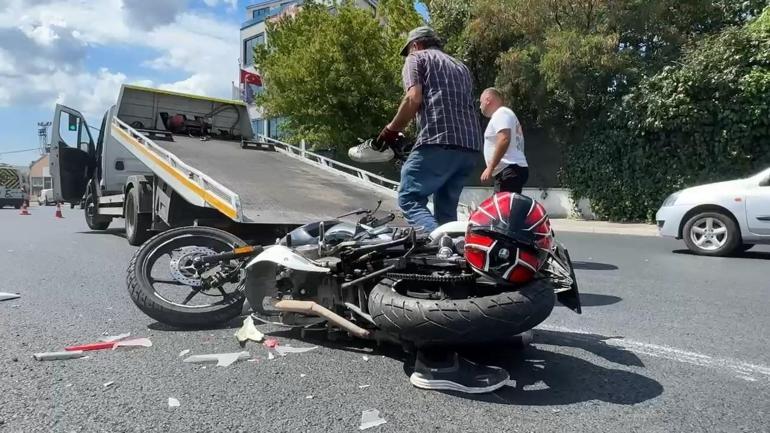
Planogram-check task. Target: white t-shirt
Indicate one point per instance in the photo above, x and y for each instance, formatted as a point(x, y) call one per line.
point(504, 118)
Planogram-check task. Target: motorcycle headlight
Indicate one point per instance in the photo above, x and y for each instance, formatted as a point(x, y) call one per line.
point(671, 200)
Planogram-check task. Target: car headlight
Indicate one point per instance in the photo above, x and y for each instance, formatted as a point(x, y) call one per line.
point(671, 200)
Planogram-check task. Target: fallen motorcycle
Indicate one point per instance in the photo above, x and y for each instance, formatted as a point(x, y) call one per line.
point(487, 279)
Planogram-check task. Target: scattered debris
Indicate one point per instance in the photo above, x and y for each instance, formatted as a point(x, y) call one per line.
point(248, 332)
point(310, 397)
point(114, 338)
point(283, 350)
point(136, 342)
point(363, 386)
point(365, 358)
point(108, 384)
point(52, 356)
point(184, 352)
point(109, 308)
point(222, 359)
point(270, 343)
point(370, 418)
point(302, 375)
point(8, 296)
point(172, 402)
point(68, 385)
point(270, 355)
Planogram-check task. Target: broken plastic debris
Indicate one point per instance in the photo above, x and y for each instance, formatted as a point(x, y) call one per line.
point(363, 386)
point(184, 352)
point(172, 402)
point(365, 358)
point(222, 359)
point(136, 342)
point(302, 375)
point(283, 350)
point(52, 356)
point(270, 343)
point(114, 338)
point(8, 296)
point(370, 418)
point(248, 332)
point(110, 383)
point(270, 355)
point(309, 397)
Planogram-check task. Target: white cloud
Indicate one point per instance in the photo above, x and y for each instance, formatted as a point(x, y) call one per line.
point(44, 46)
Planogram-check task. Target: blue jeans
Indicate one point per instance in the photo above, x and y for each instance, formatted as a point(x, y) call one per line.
point(433, 170)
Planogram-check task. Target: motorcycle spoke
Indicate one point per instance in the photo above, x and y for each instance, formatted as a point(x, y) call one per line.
point(189, 297)
point(162, 281)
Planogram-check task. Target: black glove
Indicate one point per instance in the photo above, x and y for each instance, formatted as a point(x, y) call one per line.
point(387, 137)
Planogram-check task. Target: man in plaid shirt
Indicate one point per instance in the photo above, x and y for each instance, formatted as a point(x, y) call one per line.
point(439, 92)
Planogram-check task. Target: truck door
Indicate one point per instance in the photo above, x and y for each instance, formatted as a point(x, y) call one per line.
point(73, 156)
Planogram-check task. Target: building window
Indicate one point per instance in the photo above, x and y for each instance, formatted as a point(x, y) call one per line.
point(37, 182)
point(48, 183)
point(260, 13)
point(248, 48)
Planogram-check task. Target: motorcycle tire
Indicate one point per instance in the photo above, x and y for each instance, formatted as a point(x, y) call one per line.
point(144, 296)
point(425, 322)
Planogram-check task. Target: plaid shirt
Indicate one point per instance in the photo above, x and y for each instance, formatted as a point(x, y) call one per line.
point(447, 115)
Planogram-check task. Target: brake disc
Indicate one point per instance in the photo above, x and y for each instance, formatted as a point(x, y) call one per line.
point(181, 265)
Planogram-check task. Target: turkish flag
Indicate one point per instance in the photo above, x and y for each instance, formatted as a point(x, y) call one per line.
point(250, 78)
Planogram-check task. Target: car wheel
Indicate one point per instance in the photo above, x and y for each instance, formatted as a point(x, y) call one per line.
point(712, 234)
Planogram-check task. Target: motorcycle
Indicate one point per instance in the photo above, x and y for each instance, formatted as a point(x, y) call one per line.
point(360, 275)
point(365, 278)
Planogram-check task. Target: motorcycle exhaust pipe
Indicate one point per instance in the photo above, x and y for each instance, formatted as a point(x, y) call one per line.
point(314, 309)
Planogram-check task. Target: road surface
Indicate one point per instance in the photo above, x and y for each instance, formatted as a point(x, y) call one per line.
point(667, 342)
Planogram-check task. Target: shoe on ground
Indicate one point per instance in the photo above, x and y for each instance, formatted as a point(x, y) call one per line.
point(366, 153)
point(460, 375)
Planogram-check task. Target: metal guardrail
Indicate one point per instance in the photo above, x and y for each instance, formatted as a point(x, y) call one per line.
point(368, 178)
point(354, 172)
point(196, 176)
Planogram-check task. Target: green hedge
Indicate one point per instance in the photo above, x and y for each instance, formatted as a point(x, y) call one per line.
point(706, 119)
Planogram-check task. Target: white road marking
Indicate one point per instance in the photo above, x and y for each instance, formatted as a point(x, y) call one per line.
point(744, 370)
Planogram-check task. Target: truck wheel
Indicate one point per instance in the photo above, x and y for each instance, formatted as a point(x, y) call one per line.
point(137, 224)
point(458, 321)
point(94, 221)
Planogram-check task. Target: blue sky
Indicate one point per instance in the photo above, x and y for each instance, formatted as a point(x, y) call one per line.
point(79, 52)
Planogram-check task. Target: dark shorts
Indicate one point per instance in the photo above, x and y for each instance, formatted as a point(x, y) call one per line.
point(511, 179)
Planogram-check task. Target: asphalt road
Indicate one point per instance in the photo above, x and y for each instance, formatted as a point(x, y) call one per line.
point(667, 342)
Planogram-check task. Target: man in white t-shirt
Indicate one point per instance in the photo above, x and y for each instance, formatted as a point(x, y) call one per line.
point(503, 145)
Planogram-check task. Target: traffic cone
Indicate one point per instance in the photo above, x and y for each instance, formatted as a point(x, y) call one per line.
point(24, 210)
point(58, 211)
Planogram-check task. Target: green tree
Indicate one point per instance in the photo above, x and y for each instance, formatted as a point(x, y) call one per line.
point(705, 119)
point(334, 75)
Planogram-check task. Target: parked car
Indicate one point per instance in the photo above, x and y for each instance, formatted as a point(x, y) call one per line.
point(46, 198)
point(720, 218)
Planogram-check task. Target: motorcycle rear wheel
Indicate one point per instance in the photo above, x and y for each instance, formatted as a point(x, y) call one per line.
point(426, 322)
point(165, 308)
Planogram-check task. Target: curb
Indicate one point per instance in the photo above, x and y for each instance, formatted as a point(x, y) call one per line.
point(603, 227)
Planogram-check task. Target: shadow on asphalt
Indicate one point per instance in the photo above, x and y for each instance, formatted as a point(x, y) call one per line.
point(119, 232)
point(542, 376)
point(758, 255)
point(593, 266)
point(595, 300)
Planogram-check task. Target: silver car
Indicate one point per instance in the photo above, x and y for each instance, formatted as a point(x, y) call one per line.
point(720, 218)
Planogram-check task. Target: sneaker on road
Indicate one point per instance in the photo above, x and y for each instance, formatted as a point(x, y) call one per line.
point(460, 375)
point(365, 152)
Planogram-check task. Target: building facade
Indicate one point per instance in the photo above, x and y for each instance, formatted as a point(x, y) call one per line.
point(39, 176)
point(253, 33)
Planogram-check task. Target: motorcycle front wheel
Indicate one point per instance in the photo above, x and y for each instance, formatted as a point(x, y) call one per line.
point(165, 285)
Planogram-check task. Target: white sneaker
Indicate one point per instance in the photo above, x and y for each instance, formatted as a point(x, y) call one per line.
point(364, 152)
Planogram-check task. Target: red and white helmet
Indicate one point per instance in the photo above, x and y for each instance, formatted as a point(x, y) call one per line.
point(508, 238)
